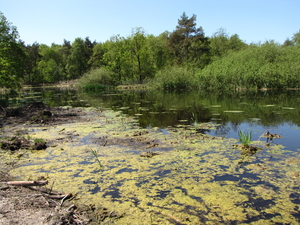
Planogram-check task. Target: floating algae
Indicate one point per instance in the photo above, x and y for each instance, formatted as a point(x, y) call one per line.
point(195, 179)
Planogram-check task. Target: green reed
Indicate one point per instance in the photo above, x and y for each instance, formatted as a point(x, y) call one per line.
point(95, 154)
point(245, 138)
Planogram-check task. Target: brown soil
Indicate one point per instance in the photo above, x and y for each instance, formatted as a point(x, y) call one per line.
point(24, 205)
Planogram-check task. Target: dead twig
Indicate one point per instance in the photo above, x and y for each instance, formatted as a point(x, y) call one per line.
point(51, 188)
point(262, 135)
point(66, 197)
point(44, 191)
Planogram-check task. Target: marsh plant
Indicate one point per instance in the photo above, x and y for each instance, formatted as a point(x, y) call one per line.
point(95, 154)
point(174, 78)
point(245, 138)
point(39, 140)
point(195, 124)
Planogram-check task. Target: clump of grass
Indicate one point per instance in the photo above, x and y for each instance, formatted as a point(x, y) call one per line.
point(39, 140)
point(245, 138)
point(95, 154)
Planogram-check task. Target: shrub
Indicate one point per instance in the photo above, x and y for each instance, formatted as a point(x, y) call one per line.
point(97, 78)
point(174, 78)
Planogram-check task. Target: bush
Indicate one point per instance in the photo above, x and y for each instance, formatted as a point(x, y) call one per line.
point(98, 78)
point(174, 78)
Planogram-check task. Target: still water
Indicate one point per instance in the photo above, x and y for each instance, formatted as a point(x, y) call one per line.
point(259, 111)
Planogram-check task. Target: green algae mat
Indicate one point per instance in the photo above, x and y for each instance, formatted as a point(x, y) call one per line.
point(192, 178)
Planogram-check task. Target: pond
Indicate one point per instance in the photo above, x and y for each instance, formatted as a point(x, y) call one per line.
point(198, 176)
point(256, 111)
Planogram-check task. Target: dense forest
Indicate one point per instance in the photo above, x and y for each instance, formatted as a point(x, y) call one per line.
point(183, 58)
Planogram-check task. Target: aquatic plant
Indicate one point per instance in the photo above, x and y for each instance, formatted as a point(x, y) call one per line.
point(195, 124)
point(245, 138)
point(95, 154)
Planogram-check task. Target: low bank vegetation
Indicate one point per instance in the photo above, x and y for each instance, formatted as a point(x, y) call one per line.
point(174, 78)
point(266, 66)
point(256, 67)
point(97, 79)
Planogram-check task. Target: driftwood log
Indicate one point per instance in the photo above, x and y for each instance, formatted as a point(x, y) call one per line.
point(27, 183)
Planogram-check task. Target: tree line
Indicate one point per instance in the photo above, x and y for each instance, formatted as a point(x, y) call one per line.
point(183, 57)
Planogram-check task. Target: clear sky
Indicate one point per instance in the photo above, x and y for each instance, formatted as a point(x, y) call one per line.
point(52, 21)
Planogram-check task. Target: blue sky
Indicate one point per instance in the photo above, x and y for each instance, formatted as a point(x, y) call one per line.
point(52, 21)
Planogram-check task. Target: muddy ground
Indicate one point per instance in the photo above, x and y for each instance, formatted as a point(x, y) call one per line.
point(39, 205)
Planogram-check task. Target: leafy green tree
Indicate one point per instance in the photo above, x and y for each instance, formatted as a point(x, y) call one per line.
point(288, 42)
point(296, 38)
point(142, 59)
point(89, 46)
point(158, 48)
point(65, 51)
point(34, 57)
point(50, 67)
point(236, 44)
point(77, 63)
point(221, 43)
point(117, 58)
point(96, 59)
point(134, 58)
point(12, 55)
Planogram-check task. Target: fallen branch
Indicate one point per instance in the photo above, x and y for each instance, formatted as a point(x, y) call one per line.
point(262, 134)
point(27, 183)
point(63, 197)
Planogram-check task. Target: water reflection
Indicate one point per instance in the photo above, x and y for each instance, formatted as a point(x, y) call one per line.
point(255, 110)
point(258, 111)
point(166, 109)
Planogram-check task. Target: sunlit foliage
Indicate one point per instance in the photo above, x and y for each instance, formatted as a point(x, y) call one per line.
point(175, 78)
point(183, 58)
point(12, 55)
point(99, 76)
point(258, 66)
